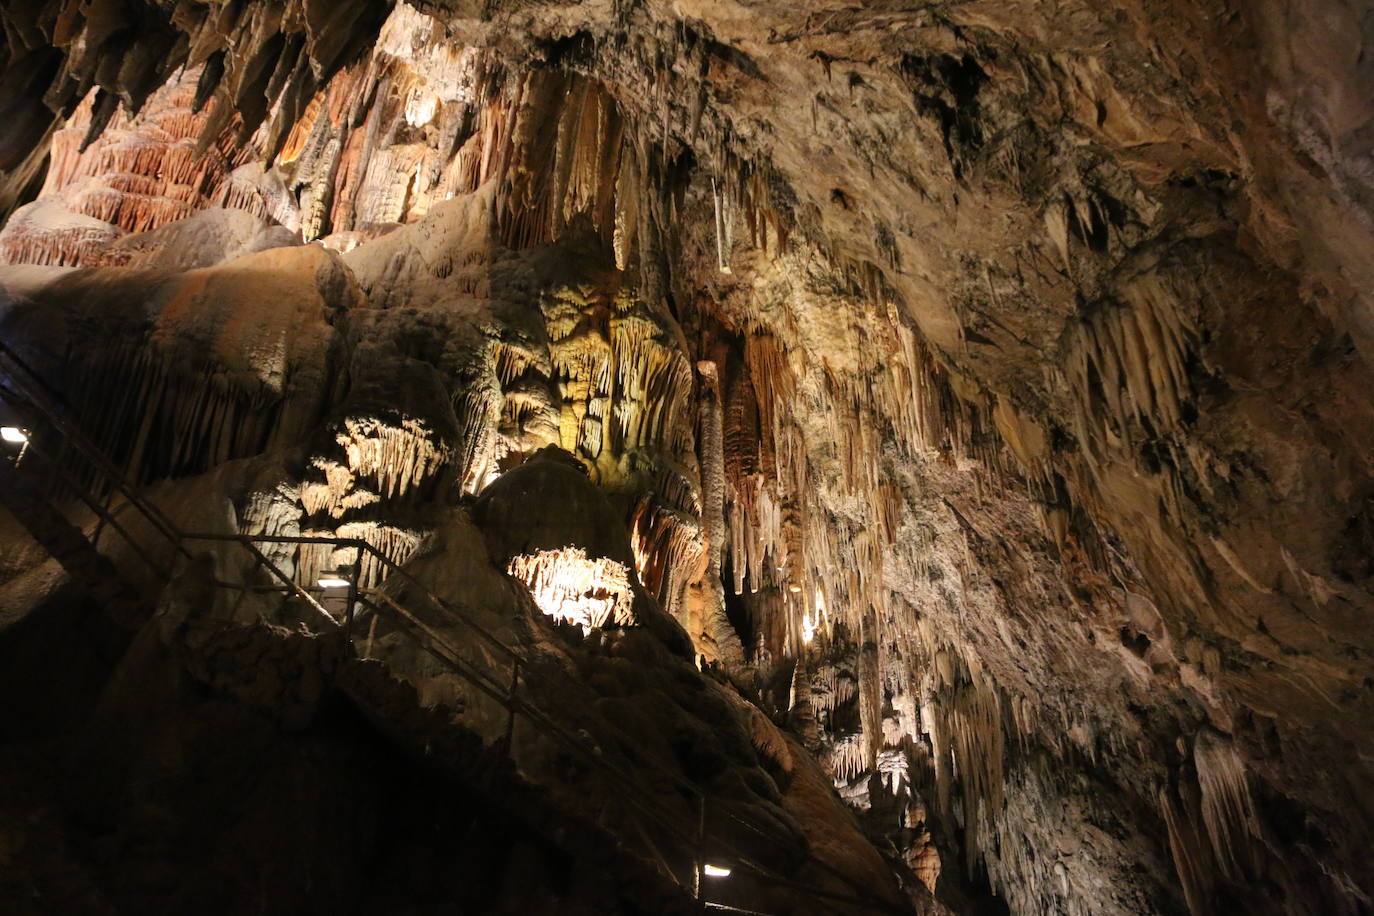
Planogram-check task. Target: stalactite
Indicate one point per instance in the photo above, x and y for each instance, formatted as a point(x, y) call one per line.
point(847, 758)
point(571, 588)
point(1227, 810)
point(397, 544)
point(1192, 860)
point(397, 456)
point(185, 414)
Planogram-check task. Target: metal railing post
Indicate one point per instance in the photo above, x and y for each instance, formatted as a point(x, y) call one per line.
point(104, 511)
point(353, 581)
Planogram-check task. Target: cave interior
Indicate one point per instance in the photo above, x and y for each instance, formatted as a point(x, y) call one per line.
point(646, 457)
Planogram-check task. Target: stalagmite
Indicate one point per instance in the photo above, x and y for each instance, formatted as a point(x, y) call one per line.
point(712, 612)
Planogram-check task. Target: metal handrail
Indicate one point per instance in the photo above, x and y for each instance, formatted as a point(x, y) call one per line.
point(52, 405)
point(509, 701)
point(44, 399)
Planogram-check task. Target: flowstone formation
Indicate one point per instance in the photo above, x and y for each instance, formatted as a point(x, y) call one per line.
point(981, 388)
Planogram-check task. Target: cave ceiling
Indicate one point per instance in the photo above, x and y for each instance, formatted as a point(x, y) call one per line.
point(985, 385)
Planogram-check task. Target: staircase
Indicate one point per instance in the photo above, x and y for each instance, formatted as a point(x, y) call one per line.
point(58, 471)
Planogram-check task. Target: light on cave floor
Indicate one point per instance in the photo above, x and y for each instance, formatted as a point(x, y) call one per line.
point(339, 578)
point(716, 871)
point(13, 434)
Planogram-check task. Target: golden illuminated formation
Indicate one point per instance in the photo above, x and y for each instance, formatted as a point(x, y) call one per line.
point(571, 588)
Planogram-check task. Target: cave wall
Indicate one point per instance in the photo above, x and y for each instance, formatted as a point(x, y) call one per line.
point(984, 385)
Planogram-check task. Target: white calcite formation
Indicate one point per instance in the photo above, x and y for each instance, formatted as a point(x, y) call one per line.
point(571, 588)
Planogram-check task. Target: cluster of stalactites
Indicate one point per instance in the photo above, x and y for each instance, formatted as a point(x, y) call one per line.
point(831, 688)
point(846, 758)
point(1212, 823)
point(49, 234)
point(931, 724)
point(382, 460)
point(392, 136)
point(835, 690)
point(564, 159)
point(894, 399)
point(159, 412)
point(961, 718)
point(139, 174)
point(355, 490)
point(420, 120)
point(507, 411)
point(554, 143)
point(622, 388)
point(1127, 365)
point(622, 380)
point(259, 64)
point(765, 483)
point(668, 546)
point(572, 588)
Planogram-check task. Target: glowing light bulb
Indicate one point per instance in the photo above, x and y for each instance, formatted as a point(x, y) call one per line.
point(716, 871)
point(13, 434)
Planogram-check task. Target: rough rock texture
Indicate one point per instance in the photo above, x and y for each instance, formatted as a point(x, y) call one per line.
point(985, 385)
